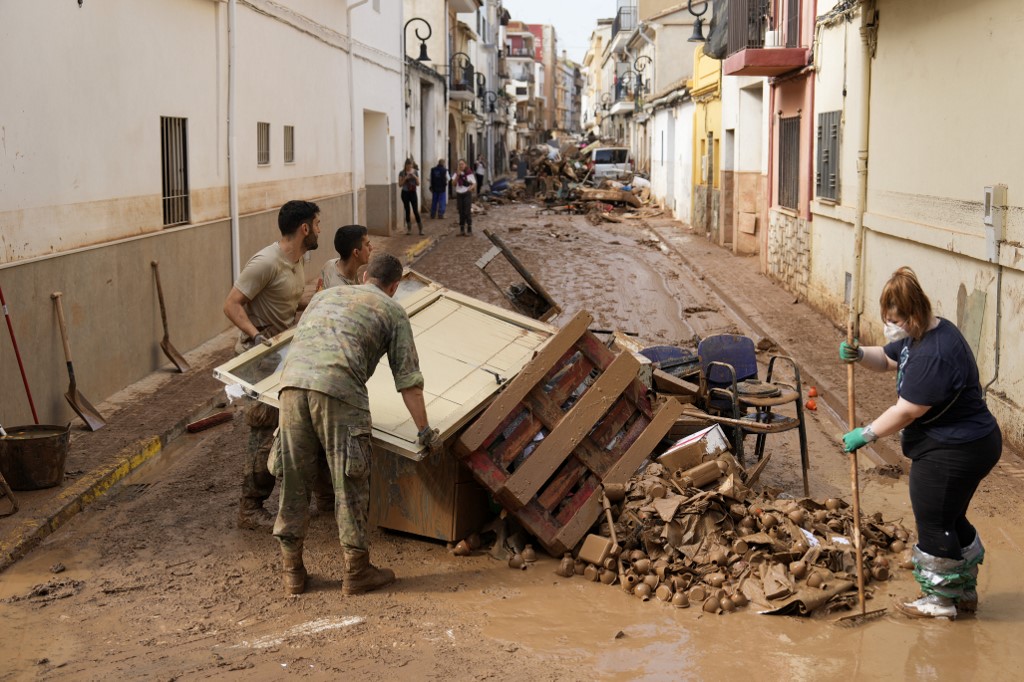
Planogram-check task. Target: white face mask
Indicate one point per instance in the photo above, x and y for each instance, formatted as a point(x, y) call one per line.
point(894, 332)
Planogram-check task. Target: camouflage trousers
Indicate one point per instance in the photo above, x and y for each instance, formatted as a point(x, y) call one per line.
point(311, 420)
point(257, 481)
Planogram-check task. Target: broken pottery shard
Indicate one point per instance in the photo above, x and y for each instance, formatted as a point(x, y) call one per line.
point(667, 506)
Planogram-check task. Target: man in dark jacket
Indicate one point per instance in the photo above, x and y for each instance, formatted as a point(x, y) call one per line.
point(439, 179)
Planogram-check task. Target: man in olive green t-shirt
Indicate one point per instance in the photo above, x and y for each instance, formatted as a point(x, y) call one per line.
point(262, 304)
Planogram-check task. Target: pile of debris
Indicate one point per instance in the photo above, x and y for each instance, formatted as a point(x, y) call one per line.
point(703, 536)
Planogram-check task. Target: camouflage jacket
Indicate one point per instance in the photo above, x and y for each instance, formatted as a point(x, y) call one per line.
point(341, 338)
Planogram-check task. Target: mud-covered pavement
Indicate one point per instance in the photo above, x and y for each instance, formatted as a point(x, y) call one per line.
point(157, 583)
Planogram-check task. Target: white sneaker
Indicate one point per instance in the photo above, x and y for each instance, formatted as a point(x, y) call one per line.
point(929, 606)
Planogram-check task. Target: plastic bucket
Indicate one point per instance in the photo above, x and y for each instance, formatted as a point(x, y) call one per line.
point(32, 457)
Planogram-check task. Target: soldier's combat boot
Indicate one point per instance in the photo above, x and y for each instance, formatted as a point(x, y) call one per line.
point(252, 515)
point(362, 576)
point(293, 570)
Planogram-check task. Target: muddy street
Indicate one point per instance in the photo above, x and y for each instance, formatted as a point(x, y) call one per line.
point(156, 582)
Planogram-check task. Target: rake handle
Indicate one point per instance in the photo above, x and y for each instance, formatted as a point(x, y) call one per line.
point(854, 474)
point(160, 295)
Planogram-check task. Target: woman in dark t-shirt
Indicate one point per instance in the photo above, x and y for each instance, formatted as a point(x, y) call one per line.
point(948, 433)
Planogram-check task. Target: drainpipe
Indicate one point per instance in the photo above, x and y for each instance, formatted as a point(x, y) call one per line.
point(867, 32)
point(236, 265)
point(999, 325)
point(352, 105)
point(771, 177)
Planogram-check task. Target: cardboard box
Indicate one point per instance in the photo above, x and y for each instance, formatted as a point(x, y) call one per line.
point(698, 447)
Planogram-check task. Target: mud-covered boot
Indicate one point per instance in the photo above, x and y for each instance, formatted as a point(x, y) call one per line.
point(362, 576)
point(252, 515)
point(942, 585)
point(419, 224)
point(293, 570)
point(408, 227)
point(974, 556)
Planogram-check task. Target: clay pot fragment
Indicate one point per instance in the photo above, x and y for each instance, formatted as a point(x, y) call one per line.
point(798, 569)
point(607, 576)
point(462, 548)
point(474, 541)
point(680, 600)
point(815, 580)
point(833, 504)
point(740, 547)
point(897, 546)
point(797, 516)
point(579, 566)
point(566, 568)
point(715, 579)
point(516, 561)
point(820, 516)
point(652, 580)
point(664, 593)
point(591, 573)
point(642, 566)
point(880, 573)
point(529, 554)
point(727, 605)
point(739, 599)
point(698, 593)
point(906, 559)
point(718, 556)
point(712, 605)
point(643, 591)
point(769, 521)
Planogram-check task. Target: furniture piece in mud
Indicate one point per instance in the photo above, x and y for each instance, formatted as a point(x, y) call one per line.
point(529, 296)
point(575, 417)
point(468, 350)
point(729, 386)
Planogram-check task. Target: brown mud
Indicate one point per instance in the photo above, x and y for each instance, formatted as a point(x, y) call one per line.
point(156, 582)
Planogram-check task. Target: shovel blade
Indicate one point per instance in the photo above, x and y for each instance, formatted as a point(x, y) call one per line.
point(84, 409)
point(174, 356)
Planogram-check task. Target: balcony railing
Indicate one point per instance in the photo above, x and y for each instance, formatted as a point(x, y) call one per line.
point(748, 20)
point(625, 20)
point(518, 52)
point(461, 76)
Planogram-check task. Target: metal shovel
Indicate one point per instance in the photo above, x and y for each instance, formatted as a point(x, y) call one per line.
point(170, 351)
point(82, 407)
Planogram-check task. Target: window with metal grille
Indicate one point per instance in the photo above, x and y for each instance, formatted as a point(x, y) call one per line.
point(262, 143)
point(174, 169)
point(826, 177)
point(289, 144)
point(789, 162)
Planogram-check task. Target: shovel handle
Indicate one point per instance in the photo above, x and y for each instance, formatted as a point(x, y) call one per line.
point(56, 296)
point(160, 295)
point(854, 474)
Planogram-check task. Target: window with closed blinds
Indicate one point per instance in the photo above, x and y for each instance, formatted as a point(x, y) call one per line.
point(262, 143)
point(789, 162)
point(174, 169)
point(826, 175)
point(289, 144)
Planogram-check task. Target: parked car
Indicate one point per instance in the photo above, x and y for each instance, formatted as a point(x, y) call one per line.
point(610, 162)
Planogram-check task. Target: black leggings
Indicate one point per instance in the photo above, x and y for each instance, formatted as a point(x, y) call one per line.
point(409, 199)
point(943, 479)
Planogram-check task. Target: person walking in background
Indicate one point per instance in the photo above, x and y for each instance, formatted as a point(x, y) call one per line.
point(464, 181)
point(409, 180)
point(480, 172)
point(948, 433)
point(263, 303)
point(440, 178)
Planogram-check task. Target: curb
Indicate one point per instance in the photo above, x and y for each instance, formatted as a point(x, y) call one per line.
point(87, 490)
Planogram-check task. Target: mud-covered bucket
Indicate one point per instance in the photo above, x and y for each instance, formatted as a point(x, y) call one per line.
point(32, 457)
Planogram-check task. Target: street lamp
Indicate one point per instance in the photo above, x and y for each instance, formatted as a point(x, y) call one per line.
point(466, 81)
point(423, 39)
point(490, 97)
point(623, 81)
point(639, 64)
point(698, 24)
point(481, 85)
point(606, 100)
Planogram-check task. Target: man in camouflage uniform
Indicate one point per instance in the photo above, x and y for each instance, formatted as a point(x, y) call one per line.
point(341, 338)
point(262, 304)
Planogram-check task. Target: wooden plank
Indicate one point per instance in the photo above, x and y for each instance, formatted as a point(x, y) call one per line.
point(579, 524)
point(643, 446)
point(613, 422)
point(635, 430)
point(560, 486)
point(573, 505)
point(553, 308)
point(598, 353)
point(524, 382)
point(506, 451)
point(572, 377)
point(668, 383)
point(572, 429)
point(592, 457)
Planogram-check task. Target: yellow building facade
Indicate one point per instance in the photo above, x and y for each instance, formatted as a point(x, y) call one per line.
point(706, 92)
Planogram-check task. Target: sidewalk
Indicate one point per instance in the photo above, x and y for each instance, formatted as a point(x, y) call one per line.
point(142, 420)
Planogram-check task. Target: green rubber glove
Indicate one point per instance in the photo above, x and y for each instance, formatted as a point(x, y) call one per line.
point(850, 352)
point(854, 440)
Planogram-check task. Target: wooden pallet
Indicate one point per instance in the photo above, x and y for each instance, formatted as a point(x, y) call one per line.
point(573, 418)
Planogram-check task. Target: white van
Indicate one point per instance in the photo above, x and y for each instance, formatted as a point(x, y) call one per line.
point(610, 162)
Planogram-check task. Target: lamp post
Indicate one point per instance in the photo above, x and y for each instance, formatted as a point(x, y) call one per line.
point(465, 82)
point(639, 64)
point(623, 80)
point(481, 84)
point(489, 98)
point(423, 39)
point(698, 23)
